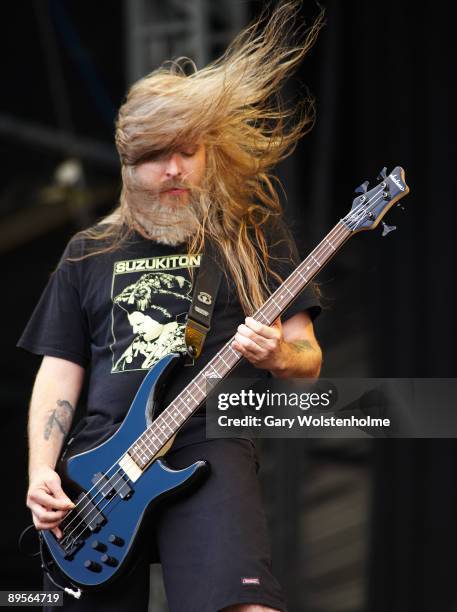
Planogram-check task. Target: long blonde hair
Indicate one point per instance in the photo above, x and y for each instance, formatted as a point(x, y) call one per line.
point(234, 107)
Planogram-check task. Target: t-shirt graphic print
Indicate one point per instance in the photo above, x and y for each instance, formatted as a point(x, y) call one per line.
point(151, 298)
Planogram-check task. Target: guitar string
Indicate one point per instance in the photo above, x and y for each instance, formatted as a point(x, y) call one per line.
point(339, 231)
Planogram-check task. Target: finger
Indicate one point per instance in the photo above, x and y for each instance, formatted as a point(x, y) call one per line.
point(242, 350)
point(266, 344)
point(57, 532)
point(251, 355)
point(235, 346)
point(261, 329)
point(248, 344)
point(57, 491)
point(243, 331)
point(39, 525)
point(47, 516)
point(48, 501)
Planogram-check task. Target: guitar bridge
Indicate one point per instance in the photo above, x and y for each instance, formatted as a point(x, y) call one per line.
point(84, 518)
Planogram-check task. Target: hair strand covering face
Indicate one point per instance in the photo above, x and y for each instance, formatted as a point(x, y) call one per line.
point(233, 106)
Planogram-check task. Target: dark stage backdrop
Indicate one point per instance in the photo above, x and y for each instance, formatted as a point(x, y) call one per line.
point(385, 86)
point(383, 75)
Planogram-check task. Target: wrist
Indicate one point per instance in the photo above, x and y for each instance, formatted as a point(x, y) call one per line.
point(281, 367)
point(36, 470)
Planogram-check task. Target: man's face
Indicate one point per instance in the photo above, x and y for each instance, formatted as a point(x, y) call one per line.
point(170, 176)
point(144, 325)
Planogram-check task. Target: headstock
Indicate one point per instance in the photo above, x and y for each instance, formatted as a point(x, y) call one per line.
point(370, 206)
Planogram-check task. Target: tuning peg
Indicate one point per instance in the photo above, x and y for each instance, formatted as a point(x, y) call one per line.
point(362, 188)
point(387, 228)
point(383, 174)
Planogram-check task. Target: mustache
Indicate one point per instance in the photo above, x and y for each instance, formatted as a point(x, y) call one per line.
point(157, 189)
point(172, 184)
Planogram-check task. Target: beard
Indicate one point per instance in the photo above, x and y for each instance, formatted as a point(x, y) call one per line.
point(169, 223)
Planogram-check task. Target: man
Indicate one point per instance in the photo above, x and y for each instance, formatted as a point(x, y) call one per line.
point(196, 153)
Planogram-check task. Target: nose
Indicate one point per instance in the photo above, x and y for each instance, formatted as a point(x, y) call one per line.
point(173, 167)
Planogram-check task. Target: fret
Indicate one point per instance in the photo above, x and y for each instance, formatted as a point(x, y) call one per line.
point(198, 387)
point(270, 311)
point(171, 414)
point(148, 448)
point(214, 370)
point(182, 400)
point(140, 440)
point(147, 436)
point(329, 243)
point(315, 260)
point(222, 359)
point(272, 299)
point(148, 453)
point(164, 425)
point(132, 453)
point(237, 355)
point(141, 454)
point(261, 313)
point(136, 449)
point(229, 358)
point(176, 411)
point(152, 449)
point(157, 431)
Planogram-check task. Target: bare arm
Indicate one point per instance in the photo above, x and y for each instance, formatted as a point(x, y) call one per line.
point(54, 397)
point(302, 355)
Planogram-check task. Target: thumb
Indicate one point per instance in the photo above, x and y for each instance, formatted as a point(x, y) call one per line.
point(57, 491)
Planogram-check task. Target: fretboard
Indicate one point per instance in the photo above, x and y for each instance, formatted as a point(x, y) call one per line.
point(195, 393)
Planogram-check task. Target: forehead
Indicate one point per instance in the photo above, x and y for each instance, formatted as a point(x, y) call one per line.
point(183, 145)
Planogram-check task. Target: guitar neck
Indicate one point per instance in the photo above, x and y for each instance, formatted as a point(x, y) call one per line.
point(194, 394)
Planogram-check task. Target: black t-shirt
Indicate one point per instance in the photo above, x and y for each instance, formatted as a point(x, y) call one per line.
point(118, 313)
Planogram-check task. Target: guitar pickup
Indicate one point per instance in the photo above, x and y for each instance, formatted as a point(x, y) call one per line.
point(89, 513)
point(115, 485)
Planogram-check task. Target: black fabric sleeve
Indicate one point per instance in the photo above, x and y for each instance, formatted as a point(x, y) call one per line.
point(58, 325)
point(284, 259)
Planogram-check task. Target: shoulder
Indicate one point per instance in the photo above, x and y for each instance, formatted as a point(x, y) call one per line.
point(101, 237)
point(280, 240)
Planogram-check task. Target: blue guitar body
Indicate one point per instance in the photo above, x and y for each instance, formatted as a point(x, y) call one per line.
point(101, 534)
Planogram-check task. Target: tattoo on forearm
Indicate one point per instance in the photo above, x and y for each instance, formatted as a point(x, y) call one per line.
point(302, 345)
point(61, 417)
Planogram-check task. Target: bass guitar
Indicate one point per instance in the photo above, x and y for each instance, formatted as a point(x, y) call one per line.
point(116, 484)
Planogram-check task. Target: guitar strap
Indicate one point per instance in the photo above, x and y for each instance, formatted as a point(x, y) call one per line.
point(201, 309)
